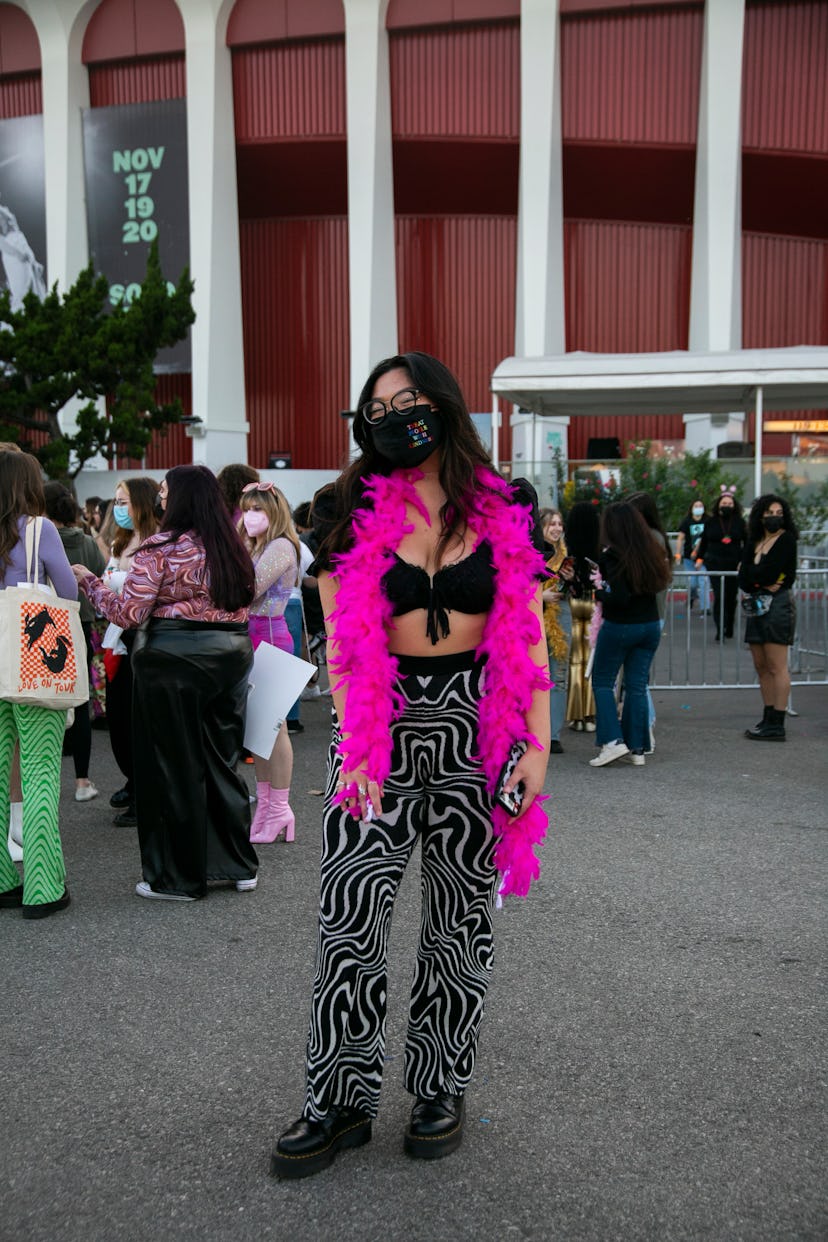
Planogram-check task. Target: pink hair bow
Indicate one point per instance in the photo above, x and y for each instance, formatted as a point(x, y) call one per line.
point(726, 491)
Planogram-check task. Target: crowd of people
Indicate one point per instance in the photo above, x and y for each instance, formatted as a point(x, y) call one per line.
point(446, 600)
point(178, 582)
point(612, 574)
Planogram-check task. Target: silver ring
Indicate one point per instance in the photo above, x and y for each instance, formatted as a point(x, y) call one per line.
point(362, 789)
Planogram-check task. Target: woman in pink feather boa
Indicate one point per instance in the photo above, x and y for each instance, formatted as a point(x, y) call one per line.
point(430, 579)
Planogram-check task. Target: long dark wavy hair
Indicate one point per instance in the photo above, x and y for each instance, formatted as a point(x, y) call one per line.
point(195, 504)
point(645, 503)
point(461, 450)
point(642, 563)
point(21, 494)
point(756, 530)
point(582, 535)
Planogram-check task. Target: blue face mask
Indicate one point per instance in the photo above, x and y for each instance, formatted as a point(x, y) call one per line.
point(122, 517)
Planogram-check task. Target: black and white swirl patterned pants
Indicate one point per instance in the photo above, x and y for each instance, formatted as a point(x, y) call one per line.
point(435, 792)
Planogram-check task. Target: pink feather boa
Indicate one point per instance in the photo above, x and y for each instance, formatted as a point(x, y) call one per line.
point(363, 614)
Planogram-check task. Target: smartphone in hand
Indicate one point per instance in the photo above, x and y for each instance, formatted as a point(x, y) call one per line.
point(513, 800)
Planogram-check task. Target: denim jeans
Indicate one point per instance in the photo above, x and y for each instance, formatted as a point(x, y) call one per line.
point(632, 648)
point(698, 585)
point(293, 618)
point(651, 712)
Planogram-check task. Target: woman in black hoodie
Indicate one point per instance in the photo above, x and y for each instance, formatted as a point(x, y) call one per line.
point(720, 548)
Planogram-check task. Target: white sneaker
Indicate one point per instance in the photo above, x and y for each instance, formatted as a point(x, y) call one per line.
point(589, 726)
point(143, 890)
point(85, 793)
point(247, 886)
point(636, 760)
point(608, 753)
point(310, 692)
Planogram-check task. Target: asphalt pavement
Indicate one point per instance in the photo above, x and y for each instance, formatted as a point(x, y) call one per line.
point(652, 1063)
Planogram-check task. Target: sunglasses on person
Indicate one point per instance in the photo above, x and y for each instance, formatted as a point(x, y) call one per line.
point(258, 487)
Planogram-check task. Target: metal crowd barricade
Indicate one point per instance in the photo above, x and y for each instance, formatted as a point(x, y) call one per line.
point(689, 657)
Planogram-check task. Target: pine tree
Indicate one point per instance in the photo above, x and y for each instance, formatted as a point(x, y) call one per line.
point(77, 346)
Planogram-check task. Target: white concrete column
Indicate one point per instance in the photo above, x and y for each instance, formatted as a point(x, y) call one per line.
point(371, 243)
point(540, 324)
point(716, 276)
point(217, 339)
point(60, 26)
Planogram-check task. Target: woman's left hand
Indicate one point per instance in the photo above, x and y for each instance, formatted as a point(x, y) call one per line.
point(531, 769)
point(81, 572)
point(361, 793)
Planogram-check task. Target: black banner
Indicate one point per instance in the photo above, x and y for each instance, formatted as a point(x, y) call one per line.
point(22, 208)
point(135, 160)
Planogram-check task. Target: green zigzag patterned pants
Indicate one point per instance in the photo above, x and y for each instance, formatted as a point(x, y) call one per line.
point(40, 732)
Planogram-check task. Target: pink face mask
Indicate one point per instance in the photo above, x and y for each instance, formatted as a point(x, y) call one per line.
point(255, 522)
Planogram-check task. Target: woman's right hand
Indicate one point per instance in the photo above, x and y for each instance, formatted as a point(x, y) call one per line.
point(360, 793)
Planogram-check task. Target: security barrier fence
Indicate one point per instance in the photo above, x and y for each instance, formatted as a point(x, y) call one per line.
point(689, 657)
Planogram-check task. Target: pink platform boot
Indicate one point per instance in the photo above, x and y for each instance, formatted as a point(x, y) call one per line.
point(280, 817)
point(259, 827)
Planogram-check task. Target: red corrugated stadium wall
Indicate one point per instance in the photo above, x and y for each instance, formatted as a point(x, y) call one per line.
point(295, 296)
point(627, 290)
point(456, 295)
point(21, 95)
point(289, 102)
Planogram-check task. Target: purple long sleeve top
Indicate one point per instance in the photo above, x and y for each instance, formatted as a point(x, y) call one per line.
point(52, 561)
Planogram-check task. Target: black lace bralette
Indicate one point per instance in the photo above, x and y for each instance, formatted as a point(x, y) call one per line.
point(465, 586)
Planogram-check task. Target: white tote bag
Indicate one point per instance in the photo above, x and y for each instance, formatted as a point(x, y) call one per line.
point(42, 645)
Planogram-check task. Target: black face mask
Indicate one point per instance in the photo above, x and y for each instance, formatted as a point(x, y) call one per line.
point(773, 524)
point(409, 439)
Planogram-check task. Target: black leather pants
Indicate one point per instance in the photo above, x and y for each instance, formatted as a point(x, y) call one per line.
point(189, 705)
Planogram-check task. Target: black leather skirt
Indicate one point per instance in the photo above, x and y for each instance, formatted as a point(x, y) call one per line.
point(777, 625)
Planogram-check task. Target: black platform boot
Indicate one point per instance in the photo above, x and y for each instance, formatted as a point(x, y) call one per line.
point(757, 728)
point(310, 1145)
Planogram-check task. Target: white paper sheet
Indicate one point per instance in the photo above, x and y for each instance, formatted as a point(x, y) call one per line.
point(276, 680)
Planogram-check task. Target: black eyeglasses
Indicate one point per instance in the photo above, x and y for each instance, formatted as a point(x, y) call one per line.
point(402, 402)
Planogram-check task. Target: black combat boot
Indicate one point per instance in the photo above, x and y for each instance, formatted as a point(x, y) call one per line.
point(757, 728)
point(773, 731)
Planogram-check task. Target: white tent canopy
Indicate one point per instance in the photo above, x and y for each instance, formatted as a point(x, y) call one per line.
point(675, 382)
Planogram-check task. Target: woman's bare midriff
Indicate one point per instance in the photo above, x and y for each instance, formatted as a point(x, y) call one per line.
point(407, 634)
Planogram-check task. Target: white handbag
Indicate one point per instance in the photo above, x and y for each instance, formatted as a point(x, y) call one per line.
point(42, 644)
